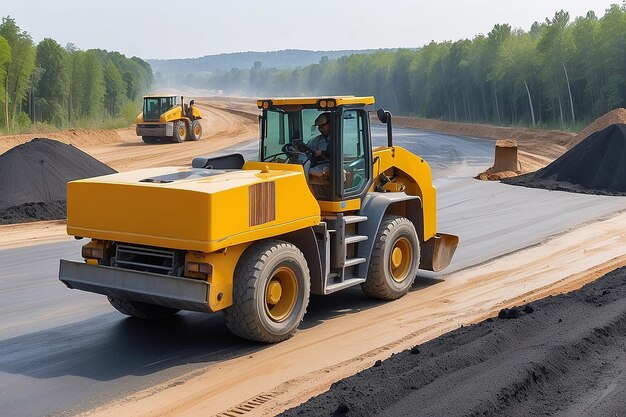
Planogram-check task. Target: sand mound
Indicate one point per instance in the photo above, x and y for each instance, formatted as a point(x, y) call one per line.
point(34, 176)
point(596, 165)
point(613, 117)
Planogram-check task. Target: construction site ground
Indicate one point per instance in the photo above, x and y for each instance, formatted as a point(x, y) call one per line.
point(564, 357)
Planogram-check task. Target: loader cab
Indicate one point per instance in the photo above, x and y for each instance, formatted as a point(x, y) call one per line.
point(287, 127)
point(154, 106)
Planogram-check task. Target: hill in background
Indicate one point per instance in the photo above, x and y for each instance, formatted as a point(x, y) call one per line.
point(289, 58)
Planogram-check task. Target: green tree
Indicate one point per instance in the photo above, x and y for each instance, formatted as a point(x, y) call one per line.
point(52, 86)
point(556, 47)
point(612, 43)
point(5, 59)
point(517, 59)
point(20, 66)
point(93, 89)
point(115, 89)
point(87, 89)
point(495, 38)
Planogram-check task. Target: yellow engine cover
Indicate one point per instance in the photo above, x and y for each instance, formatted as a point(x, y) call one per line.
point(192, 208)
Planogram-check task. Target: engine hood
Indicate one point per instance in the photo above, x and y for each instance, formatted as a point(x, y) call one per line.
point(192, 208)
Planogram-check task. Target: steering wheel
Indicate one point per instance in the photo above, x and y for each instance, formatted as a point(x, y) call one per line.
point(293, 156)
point(303, 147)
point(295, 152)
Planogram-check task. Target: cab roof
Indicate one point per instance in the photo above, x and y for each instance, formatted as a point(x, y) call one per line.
point(314, 101)
point(159, 95)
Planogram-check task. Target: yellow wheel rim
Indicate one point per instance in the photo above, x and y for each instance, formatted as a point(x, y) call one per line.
point(400, 259)
point(181, 132)
point(196, 130)
point(281, 294)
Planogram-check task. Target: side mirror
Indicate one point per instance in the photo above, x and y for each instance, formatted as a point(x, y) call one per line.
point(191, 102)
point(382, 115)
point(385, 117)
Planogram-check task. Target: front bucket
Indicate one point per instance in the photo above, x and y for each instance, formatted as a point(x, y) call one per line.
point(437, 252)
point(506, 156)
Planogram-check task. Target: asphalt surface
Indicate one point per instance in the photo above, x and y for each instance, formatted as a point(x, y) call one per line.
point(65, 351)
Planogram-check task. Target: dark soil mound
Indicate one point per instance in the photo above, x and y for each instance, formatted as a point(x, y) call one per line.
point(34, 176)
point(564, 355)
point(29, 212)
point(597, 165)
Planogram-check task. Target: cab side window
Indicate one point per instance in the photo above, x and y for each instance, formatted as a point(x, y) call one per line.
point(275, 133)
point(354, 163)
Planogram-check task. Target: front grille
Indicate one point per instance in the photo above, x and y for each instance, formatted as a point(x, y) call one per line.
point(147, 259)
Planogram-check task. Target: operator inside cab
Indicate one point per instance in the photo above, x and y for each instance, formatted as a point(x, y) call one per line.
point(319, 171)
point(332, 144)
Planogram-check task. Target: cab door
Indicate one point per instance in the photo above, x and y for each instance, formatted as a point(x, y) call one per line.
point(353, 175)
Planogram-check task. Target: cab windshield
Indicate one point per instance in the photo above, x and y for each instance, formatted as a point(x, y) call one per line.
point(285, 126)
point(154, 107)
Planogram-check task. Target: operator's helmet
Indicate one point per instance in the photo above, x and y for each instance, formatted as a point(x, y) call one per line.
point(322, 119)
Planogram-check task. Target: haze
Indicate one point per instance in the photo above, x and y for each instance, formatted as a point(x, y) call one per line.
point(160, 29)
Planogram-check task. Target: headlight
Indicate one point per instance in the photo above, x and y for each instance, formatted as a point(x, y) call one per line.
point(199, 267)
point(93, 250)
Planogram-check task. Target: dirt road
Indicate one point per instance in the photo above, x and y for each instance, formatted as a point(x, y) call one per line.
point(220, 129)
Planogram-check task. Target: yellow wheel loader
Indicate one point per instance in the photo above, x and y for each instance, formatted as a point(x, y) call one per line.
point(164, 119)
point(257, 238)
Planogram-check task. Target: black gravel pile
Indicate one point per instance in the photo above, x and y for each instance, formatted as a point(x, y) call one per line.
point(596, 165)
point(34, 176)
point(562, 355)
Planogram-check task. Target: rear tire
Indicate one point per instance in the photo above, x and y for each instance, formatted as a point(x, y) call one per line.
point(270, 292)
point(395, 259)
point(141, 310)
point(196, 130)
point(180, 132)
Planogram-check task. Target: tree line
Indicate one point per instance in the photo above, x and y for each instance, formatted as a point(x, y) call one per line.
point(65, 86)
point(560, 73)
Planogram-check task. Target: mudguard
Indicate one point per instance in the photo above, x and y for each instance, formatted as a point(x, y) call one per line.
point(374, 208)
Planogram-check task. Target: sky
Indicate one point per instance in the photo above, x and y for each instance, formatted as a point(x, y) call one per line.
point(194, 28)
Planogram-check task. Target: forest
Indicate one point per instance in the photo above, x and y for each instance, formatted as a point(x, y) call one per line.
point(561, 73)
point(64, 86)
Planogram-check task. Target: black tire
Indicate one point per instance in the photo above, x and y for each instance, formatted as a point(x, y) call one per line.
point(141, 310)
point(150, 139)
point(270, 292)
point(195, 132)
point(180, 132)
point(395, 259)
